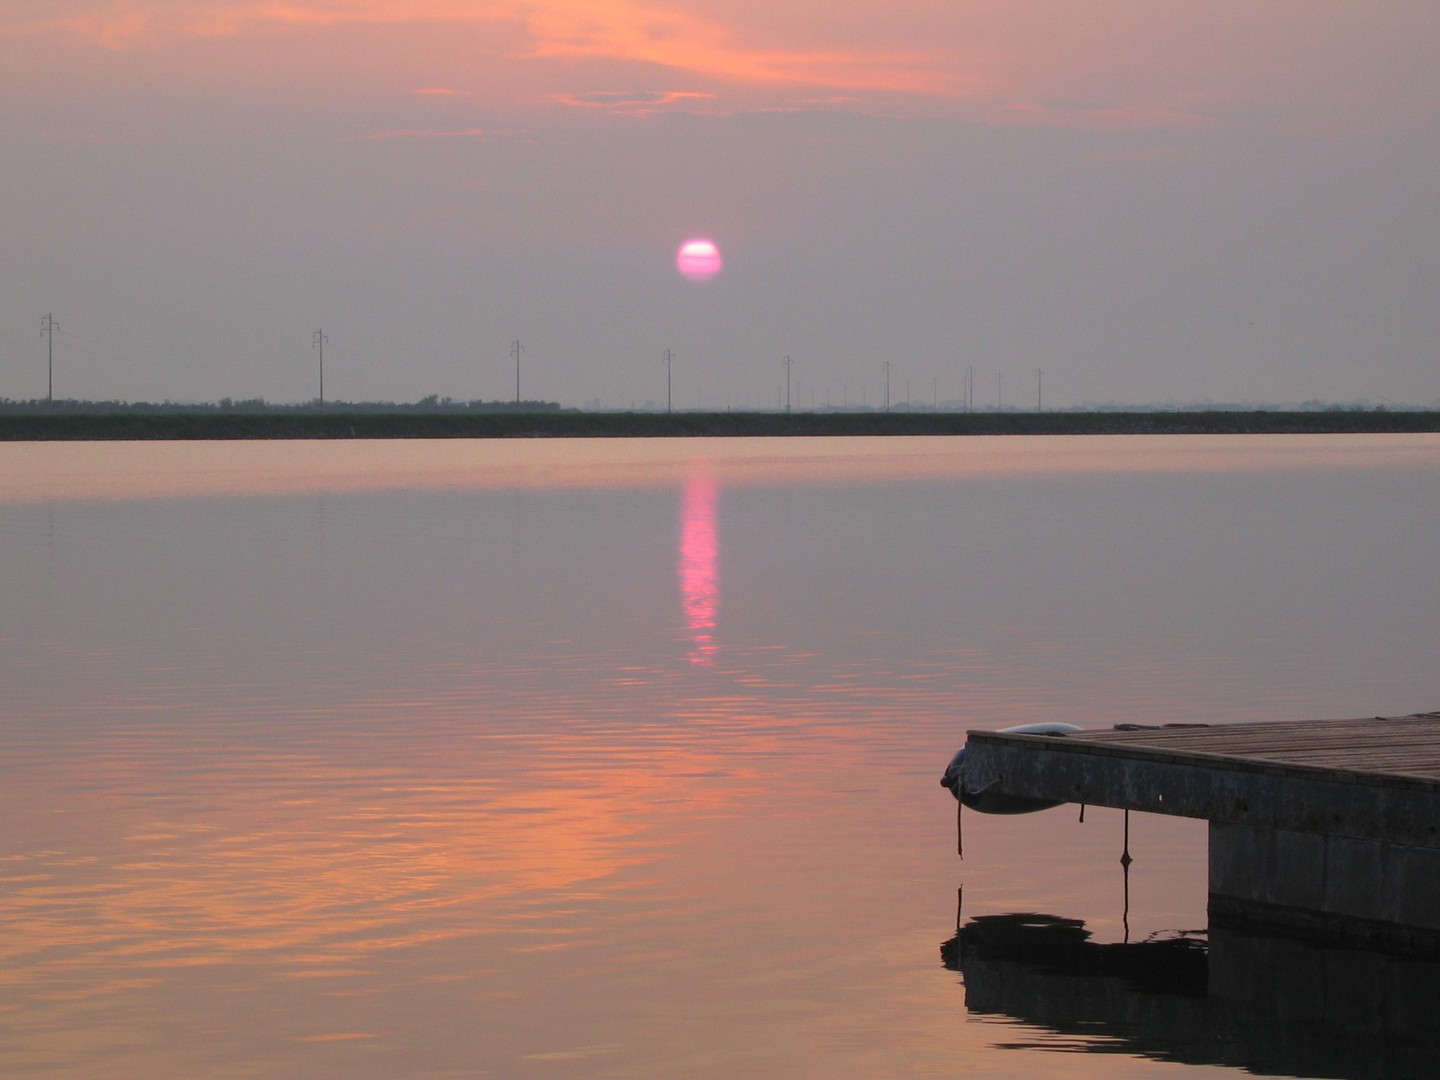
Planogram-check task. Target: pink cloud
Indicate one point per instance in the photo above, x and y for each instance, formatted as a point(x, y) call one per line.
point(650, 32)
point(1138, 64)
point(678, 39)
point(630, 100)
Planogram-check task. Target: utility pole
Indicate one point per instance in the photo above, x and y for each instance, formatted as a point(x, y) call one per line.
point(970, 389)
point(48, 326)
point(516, 349)
point(668, 357)
point(999, 392)
point(788, 364)
point(317, 341)
point(1039, 390)
point(887, 385)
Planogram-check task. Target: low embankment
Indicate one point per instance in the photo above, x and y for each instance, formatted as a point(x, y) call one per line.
point(341, 424)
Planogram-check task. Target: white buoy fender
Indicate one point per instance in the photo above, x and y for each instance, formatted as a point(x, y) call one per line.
point(986, 802)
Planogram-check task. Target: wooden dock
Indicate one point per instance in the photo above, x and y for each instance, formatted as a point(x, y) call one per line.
point(1331, 827)
point(1385, 748)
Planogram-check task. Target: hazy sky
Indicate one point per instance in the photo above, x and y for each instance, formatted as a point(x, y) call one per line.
point(1148, 199)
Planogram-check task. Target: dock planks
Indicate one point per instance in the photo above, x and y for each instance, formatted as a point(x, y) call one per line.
point(1373, 748)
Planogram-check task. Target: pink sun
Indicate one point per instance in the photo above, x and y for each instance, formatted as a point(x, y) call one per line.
point(698, 260)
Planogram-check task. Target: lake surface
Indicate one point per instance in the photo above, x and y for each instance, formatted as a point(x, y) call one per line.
point(620, 758)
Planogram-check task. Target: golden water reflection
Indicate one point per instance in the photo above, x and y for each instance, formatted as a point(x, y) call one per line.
point(86, 470)
point(173, 875)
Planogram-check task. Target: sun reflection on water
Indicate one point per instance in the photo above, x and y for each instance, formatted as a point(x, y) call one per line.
point(699, 555)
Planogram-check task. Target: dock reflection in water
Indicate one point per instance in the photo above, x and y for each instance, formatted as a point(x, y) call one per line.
point(1273, 1006)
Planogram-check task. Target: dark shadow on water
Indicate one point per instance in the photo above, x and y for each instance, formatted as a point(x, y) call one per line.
point(1270, 1005)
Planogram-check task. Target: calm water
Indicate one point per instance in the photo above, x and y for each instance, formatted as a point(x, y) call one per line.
point(620, 758)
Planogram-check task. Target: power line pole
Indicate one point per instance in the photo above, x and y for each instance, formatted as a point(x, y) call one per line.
point(669, 356)
point(887, 385)
point(48, 326)
point(317, 341)
point(999, 392)
point(516, 348)
point(970, 389)
point(1039, 390)
point(788, 364)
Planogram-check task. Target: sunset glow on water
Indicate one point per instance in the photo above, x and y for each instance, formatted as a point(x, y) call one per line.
point(635, 776)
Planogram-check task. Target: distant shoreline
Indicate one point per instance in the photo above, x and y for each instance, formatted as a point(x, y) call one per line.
point(342, 424)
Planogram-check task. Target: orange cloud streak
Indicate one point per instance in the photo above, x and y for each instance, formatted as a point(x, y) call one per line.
point(1108, 65)
point(625, 30)
point(567, 30)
